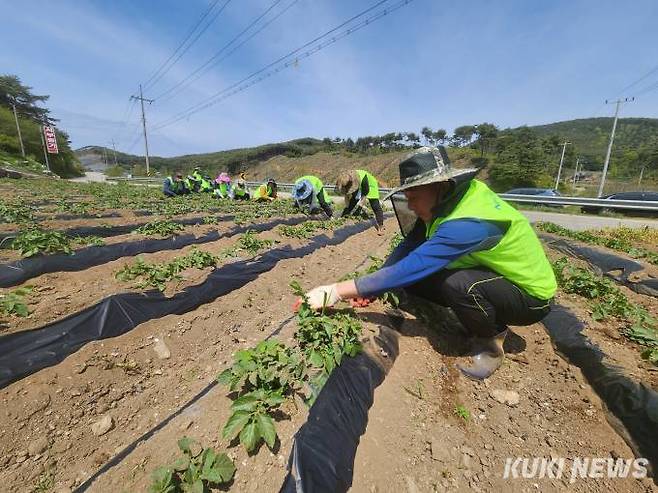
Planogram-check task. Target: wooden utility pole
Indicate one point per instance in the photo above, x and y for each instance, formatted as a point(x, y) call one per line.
point(18, 129)
point(141, 99)
point(612, 139)
point(559, 170)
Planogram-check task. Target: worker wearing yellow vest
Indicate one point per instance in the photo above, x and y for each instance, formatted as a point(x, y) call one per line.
point(358, 187)
point(266, 191)
point(464, 248)
point(311, 197)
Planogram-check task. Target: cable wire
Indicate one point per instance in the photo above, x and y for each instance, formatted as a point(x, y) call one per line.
point(187, 36)
point(244, 84)
point(211, 60)
point(198, 35)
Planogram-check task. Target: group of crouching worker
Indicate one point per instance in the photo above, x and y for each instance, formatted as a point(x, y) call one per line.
point(308, 193)
point(463, 247)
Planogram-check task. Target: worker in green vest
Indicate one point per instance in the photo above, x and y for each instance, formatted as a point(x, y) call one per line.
point(358, 187)
point(311, 197)
point(174, 185)
point(267, 191)
point(222, 186)
point(194, 180)
point(465, 248)
point(240, 191)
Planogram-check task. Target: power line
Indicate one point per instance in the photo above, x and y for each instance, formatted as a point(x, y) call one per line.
point(187, 36)
point(242, 84)
point(648, 74)
point(154, 80)
point(647, 89)
point(213, 60)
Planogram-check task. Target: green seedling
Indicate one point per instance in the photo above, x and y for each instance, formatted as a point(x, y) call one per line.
point(196, 471)
point(158, 275)
point(13, 302)
point(34, 241)
point(159, 228)
point(462, 412)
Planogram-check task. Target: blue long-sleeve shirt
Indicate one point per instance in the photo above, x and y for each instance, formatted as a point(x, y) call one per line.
point(416, 258)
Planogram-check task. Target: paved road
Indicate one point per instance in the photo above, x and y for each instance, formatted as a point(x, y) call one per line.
point(95, 176)
point(583, 221)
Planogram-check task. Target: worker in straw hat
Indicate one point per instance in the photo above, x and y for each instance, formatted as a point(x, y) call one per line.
point(358, 187)
point(464, 248)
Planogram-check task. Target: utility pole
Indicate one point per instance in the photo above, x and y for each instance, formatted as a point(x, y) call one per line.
point(559, 171)
point(18, 129)
point(114, 149)
point(612, 139)
point(575, 173)
point(141, 99)
point(641, 174)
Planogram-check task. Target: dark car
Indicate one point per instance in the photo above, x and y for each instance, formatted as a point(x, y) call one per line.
point(538, 192)
point(643, 196)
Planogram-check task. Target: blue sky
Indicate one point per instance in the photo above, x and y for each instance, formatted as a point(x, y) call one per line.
point(436, 63)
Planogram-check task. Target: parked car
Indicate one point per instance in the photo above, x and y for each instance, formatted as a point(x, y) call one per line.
point(643, 196)
point(538, 192)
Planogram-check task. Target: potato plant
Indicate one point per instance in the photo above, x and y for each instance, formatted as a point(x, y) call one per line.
point(34, 240)
point(198, 470)
point(159, 228)
point(13, 302)
point(308, 229)
point(15, 213)
point(158, 275)
point(249, 243)
point(262, 377)
point(610, 301)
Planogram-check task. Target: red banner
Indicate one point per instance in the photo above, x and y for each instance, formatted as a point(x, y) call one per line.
point(51, 140)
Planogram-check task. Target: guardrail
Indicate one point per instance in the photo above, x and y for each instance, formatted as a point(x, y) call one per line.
point(639, 205)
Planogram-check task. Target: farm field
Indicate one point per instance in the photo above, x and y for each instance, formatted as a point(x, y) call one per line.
point(143, 338)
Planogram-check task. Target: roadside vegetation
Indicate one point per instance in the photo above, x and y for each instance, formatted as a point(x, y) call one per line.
point(607, 302)
point(622, 239)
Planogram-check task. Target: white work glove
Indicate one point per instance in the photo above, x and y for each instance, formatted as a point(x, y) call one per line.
point(361, 203)
point(323, 296)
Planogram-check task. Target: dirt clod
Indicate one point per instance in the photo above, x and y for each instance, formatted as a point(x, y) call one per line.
point(103, 425)
point(508, 397)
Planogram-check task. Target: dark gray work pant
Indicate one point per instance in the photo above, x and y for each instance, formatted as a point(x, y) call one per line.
point(484, 301)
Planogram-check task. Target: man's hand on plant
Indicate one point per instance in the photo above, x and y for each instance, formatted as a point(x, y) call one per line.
point(323, 296)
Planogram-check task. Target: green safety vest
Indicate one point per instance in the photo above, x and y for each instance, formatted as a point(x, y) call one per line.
point(176, 186)
point(373, 186)
point(262, 192)
point(206, 185)
point(519, 256)
point(239, 192)
point(317, 186)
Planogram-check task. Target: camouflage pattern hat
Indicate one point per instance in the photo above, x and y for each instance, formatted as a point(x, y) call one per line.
point(426, 165)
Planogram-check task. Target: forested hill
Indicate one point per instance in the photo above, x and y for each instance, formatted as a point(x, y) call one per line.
point(522, 156)
point(591, 135)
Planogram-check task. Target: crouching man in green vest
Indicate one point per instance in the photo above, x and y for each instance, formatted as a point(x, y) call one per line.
point(174, 185)
point(311, 197)
point(464, 248)
point(359, 186)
